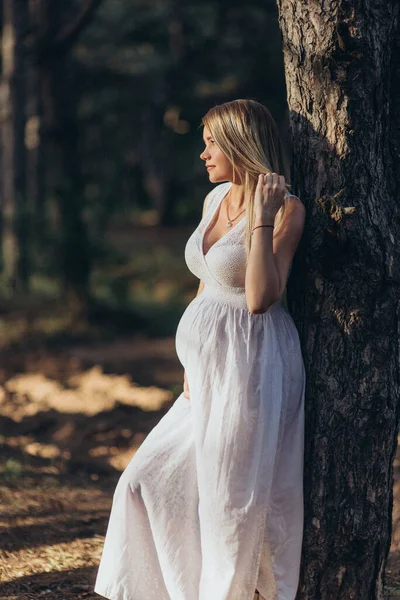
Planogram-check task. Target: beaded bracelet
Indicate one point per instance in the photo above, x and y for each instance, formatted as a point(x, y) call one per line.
point(261, 226)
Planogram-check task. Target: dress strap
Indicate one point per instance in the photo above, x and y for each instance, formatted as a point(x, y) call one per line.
point(215, 196)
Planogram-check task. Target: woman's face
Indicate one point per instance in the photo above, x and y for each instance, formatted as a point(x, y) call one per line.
point(217, 164)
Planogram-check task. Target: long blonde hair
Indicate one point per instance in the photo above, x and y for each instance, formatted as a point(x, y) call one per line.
point(246, 133)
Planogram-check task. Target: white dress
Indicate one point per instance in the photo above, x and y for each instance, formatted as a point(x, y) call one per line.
point(211, 505)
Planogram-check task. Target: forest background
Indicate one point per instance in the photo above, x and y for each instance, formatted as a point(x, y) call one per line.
point(101, 185)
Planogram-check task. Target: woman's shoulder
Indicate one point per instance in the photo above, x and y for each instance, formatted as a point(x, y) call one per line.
point(215, 194)
point(296, 205)
point(289, 194)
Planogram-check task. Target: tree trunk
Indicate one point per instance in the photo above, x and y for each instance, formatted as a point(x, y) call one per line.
point(342, 69)
point(57, 31)
point(34, 137)
point(12, 117)
point(154, 172)
point(394, 113)
point(67, 182)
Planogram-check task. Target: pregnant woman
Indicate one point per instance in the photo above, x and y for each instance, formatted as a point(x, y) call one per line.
point(211, 505)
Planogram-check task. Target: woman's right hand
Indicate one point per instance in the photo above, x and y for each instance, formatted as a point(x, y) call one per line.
point(186, 391)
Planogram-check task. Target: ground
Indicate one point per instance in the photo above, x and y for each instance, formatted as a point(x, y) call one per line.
point(74, 407)
point(62, 452)
point(68, 431)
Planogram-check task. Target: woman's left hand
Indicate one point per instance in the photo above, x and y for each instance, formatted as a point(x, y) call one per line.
point(270, 195)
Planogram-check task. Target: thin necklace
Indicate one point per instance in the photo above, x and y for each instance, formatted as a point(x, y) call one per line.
point(230, 221)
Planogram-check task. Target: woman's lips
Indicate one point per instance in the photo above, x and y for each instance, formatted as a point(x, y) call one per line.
point(210, 167)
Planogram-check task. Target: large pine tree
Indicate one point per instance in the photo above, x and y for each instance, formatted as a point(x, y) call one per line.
point(342, 64)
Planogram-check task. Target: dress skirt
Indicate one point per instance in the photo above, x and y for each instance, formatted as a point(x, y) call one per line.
point(211, 505)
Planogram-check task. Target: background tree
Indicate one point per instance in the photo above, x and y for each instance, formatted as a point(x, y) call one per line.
point(55, 29)
point(158, 68)
point(114, 98)
point(342, 74)
point(39, 119)
point(12, 129)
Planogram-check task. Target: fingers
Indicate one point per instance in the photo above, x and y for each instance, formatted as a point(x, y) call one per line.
point(269, 175)
point(270, 191)
point(271, 182)
point(259, 187)
point(273, 179)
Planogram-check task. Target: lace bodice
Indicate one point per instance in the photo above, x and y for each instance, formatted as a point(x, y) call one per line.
point(225, 262)
point(223, 268)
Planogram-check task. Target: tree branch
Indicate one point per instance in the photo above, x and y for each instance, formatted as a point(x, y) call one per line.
point(71, 32)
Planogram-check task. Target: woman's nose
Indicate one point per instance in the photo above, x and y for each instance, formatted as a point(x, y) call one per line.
point(204, 155)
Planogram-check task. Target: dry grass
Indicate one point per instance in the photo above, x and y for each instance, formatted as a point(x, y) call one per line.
point(53, 536)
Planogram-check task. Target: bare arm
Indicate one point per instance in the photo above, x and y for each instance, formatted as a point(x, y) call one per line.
point(271, 256)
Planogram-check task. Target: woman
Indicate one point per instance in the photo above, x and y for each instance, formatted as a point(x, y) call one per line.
point(211, 505)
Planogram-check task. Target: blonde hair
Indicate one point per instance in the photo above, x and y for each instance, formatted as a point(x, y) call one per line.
point(246, 133)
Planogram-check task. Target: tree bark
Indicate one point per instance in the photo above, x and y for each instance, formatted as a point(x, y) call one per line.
point(12, 127)
point(342, 74)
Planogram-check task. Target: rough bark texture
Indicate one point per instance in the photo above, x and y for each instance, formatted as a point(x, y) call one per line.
point(342, 72)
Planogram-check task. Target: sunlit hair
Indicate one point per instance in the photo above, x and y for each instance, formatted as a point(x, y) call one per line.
point(246, 133)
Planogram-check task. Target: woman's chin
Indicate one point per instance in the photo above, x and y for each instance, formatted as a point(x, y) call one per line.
point(215, 178)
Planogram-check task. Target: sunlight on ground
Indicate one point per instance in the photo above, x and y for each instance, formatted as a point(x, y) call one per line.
point(87, 393)
point(71, 429)
point(44, 559)
point(52, 537)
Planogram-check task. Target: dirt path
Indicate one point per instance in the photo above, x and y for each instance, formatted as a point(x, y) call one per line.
point(69, 426)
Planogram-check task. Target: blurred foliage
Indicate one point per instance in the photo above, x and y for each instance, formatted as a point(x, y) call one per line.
point(125, 100)
point(148, 72)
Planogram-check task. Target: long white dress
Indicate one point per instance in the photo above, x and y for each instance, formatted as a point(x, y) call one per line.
point(211, 505)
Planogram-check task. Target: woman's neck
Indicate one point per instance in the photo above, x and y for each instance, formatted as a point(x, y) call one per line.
point(236, 197)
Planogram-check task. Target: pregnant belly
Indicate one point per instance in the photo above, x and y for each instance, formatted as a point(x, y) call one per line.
point(202, 325)
point(209, 328)
point(187, 333)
